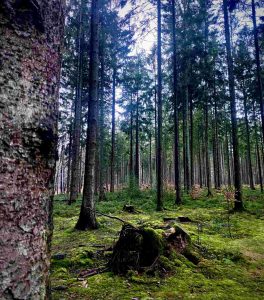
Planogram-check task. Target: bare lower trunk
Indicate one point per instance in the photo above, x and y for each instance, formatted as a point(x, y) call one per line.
point(131, 171)
point(87, 217)
point(207, 154)
point(112, 159)
point(137, 144)
point(75, 172)
point(227, 160)
point(102, 196)
point(250, 173)
point(159, 107)
point(231, 81)
point(176, 114)
point(257, 151)
point(260, 87)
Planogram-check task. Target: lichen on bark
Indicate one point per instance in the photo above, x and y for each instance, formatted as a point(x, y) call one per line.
point(30, 39)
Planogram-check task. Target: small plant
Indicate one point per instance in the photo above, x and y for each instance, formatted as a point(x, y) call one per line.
point(196, 191)
point(229, 195)
point(199, 231)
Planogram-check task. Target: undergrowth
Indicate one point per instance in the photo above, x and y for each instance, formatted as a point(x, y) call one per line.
point(230, 268)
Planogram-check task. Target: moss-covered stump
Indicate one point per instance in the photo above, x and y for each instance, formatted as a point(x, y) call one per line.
point(142, 249)
point(129, 209)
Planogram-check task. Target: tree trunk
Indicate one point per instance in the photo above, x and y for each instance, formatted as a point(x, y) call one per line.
point(102, 196)
point(150, 160)
point(159, 106)
point(29, 80)
point(112, 159)
point(257, 151)
point(186, 137)
point(237, 176)
point(216, 145)
point(75, 170)
point(207, 154)
point(249, 161)
point(137, 144)
point(176, 112)
point(260, 88)
point(191, 143)
point(200, 166)
point(69, 162)
point(131, 171)
point(227, 160)
point(87, 217)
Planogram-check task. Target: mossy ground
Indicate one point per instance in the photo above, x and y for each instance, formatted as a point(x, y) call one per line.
point(231, 267)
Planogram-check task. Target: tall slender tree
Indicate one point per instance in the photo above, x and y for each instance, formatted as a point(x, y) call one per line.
point(231, 81)
point(137, 142)
point(159, 108)
point(113, 133)
point(87, 218)
point(258, 70)
point(178, 199)
point(102, 195)
point(75, 151)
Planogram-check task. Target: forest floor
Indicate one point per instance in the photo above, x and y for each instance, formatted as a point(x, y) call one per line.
point(231, 267)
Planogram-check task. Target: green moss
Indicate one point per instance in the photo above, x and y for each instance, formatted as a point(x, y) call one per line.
point(167, 264)
point(154, 240)
point(230, 268)
point(210, 269)
point(143, 279)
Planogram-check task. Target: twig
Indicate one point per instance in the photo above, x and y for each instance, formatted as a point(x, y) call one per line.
point(113, 217)
point(92, 272)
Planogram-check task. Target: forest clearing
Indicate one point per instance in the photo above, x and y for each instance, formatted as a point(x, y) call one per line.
point(131, 149)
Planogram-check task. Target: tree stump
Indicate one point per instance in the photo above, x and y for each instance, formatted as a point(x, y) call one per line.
point(129, 208)
point(140, 248)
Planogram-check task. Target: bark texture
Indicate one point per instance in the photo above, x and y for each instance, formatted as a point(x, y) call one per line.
point(87, 218)
point(159, 111)
point(257, 52)
point(30, 35)
point(75, 171)
point(113, 139)
point(231, 82)
point(175, 107)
